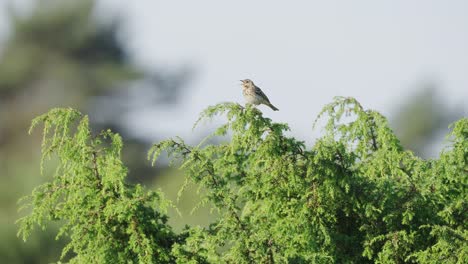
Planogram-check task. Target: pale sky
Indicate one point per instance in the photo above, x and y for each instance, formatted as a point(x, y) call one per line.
point(301, 53)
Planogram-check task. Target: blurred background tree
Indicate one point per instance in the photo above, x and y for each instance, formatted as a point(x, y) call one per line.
point(59, 54)
point(421, 120)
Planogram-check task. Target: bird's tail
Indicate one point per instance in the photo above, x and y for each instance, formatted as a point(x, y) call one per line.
point(273, 107)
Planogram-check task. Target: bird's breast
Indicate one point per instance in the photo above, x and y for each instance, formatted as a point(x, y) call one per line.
point(250, 97)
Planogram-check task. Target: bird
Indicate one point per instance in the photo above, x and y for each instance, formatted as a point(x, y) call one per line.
point(254, 95)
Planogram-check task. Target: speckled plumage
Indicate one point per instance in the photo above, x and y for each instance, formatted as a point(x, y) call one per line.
point(254, 95)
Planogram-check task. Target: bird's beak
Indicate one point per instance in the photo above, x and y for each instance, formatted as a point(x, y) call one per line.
point(242, 81)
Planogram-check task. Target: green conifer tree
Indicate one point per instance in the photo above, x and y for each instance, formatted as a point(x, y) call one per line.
point(355, 196)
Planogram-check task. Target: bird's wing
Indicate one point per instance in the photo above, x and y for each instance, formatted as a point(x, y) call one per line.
point(259, 92)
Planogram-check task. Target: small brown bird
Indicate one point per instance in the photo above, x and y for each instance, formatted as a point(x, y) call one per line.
point(254, 95)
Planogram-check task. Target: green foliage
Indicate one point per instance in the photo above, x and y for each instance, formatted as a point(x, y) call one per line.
point(107, 220)
point(356, 196)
